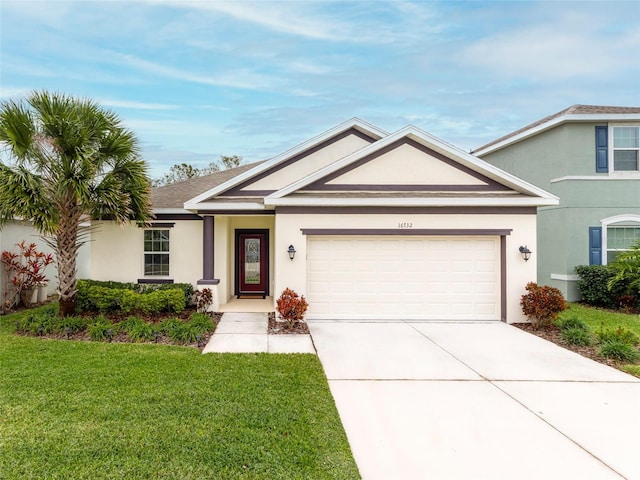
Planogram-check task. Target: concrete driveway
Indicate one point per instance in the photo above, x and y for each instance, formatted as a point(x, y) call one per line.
point(477, 401)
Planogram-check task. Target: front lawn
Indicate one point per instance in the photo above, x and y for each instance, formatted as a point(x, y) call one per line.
point(599, 319)
point(590, 339)
point(94, 410)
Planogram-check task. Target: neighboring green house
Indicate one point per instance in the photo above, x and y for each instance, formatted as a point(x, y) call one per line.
point(588, 157)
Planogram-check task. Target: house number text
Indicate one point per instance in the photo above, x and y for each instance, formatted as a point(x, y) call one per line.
point(405, 225)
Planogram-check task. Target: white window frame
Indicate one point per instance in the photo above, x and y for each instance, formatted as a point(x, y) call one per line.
point(145, 252)
point(607, 222)
point(611, 150)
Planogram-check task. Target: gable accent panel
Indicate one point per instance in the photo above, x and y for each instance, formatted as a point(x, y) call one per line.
point(323, 185)
point(238, 190)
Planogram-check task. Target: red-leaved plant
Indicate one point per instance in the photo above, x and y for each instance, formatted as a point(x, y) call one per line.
point(25, 272)
point(291, 307)
point(204, 299)
point(542, 304)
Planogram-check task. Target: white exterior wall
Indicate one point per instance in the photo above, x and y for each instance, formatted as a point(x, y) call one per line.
point(17, 231)
point(293, 274)
point(117, 252)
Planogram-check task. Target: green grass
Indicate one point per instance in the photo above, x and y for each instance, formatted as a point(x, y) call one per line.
point(87, 410)
point(603, 321)
point(596, 318)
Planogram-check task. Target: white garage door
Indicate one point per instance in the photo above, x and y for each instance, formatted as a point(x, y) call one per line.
point(390, 277)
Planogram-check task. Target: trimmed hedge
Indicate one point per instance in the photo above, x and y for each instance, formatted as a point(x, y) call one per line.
point(94, 295)
point(593, 286)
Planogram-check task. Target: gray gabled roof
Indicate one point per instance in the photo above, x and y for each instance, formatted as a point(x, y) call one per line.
point(575, 111)
point(176, 194)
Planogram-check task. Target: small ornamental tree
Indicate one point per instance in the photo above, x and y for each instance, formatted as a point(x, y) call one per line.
point(542, 304)
point(291, 307)
point(25, 272)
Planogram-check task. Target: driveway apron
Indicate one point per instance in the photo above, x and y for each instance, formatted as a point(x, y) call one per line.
point(476, 401)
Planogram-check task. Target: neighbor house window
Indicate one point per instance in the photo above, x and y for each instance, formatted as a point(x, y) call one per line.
point(156, 253)
point(626, 148)
point(620, 239)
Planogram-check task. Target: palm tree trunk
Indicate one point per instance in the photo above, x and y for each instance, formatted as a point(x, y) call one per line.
point(66, 253)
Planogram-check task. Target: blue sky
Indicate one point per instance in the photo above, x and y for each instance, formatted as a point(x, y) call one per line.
point(200, 79)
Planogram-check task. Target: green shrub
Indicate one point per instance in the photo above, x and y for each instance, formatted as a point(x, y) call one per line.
point(99, 329)
point(105, 299)
point(167, 325)
point(185, 288)
point(139, 330)
point(100, 296)
point(184, 332)
point(542, 303)
point(38, 323)
point(621, 351)
point(620, 334)
point(577, 336)
point(201, 322)
point(593, 285)
point(75, 324)
point(572, 323)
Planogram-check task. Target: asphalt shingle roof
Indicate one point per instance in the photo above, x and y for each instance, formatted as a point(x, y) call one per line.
point(176, 194)
point(572, 110)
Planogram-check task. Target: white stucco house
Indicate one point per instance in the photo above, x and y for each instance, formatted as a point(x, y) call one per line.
point(384, 226)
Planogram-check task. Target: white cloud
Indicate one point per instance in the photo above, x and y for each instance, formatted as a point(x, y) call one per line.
point(570, 46)
point(239, 78)
point(284, 17)
point(13, 92)
point(137, 105)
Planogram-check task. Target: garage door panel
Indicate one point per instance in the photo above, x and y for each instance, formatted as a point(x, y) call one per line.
point(404, 277)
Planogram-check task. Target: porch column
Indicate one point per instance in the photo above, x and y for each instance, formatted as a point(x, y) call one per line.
point(208, 259)
point(207, 253)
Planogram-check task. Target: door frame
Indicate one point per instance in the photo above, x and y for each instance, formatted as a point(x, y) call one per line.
point(264, 259)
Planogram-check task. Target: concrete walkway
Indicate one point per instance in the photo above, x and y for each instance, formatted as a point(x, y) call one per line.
point(477, 401)
point(240, 332)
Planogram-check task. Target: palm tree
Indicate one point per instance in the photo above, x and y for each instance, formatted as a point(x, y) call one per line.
point(68, 160)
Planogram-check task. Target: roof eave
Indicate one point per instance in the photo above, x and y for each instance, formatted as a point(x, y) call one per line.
point(414, 202)
point(581, 117)
point(356, 123)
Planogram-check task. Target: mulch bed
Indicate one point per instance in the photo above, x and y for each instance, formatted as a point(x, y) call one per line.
point(280, 328)
point(122, 337)
point(553, 334)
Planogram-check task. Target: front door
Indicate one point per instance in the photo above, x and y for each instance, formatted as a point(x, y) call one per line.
point(252, 262)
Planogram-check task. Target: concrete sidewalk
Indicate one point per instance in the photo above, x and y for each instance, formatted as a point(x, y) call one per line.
point(477, 401)
point(239, 332)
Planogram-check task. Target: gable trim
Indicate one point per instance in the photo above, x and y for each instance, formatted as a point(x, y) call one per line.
point(355, 123)
point(322, 184)
point(238, 189)
point(535, 195)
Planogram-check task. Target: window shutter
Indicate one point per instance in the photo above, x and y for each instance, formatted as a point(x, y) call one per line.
point(595, 245)
point(602, 150)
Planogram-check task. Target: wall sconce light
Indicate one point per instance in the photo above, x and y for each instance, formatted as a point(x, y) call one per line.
point(292, 252)
point(526, 253)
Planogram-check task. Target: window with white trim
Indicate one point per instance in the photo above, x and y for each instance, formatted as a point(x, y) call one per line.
point(626, 148)
point(620, 238)
point(156, 253)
